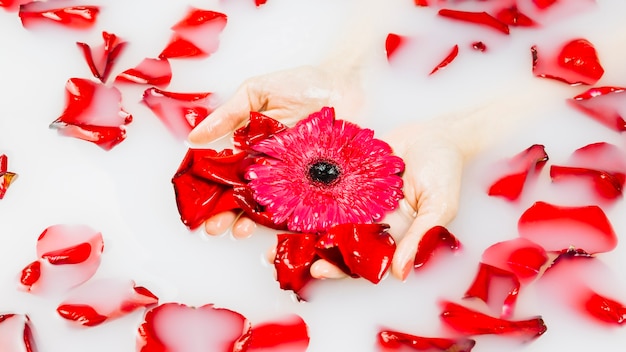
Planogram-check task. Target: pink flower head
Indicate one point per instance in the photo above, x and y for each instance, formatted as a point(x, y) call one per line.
point(324, 172)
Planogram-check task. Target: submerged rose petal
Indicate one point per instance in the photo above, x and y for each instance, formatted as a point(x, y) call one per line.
point(471, 322)
point(259, 2)
point(13, 5)
point(101, 59)
point(606, 184)
point(576, 62)
point(481, 18)
point(287, 335)
point(180, 112)
point(175, 327)
point(437, 236)
point(447, 60)
point(6, 177)
point(517, 171)
point(480, 46)
point(513, 17)
point(606, 105)
point(68, 256)
point(360, 250)
point(41, 12)
point(295, 253)
point(394, 340)
point(492, 281)
point(154, 72)
point(16, 333)
point(258, 128)
point(93, 112)
point(102, 300)
point(560, 227)
point(520, 256)
point(544, 4)
point(605, 309)
point(196, 35)
point(392, 43)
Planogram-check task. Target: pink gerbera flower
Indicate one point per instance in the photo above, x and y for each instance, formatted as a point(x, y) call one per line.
point(324, 172)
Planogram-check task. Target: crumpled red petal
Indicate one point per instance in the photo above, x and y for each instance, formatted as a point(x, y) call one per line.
point(175, 327)
point(576, 62)
point(101, 59)
point(481, 18)
point(154, 72)
point(513, 17)
point(68, 255)
point(360, 250)
point(447, 60)
point(196, 35)
point(103, 300)
point(295, 253)
point(518, 169)
point(16, 333)
point(258, 128)
point(437, 236)
point(605, 309)
point(290, 334)
point(244, 197)
point(180, 112)
point(489, 281)
point(556, 228)
point(75, 17)
point(6, 177)
point(604, 104)
point(520, 256)
point(93, 112)
point(390, 340)
point(393, 42)
point(470, 322)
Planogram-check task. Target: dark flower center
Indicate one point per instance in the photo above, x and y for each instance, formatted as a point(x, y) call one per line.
point(324, 172)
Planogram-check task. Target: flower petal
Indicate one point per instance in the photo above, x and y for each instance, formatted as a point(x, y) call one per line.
point(245, 200)
point(197, 35)
point(41, 12)
point(395, 340)
point(606, 105)
point(154, 72)
point(490, 281)
point(517, 170)
point(437, 236)
point(6, 177)
point(105, 55)
point(576, 62)
point(447, 60)
point(519, 256)
point(393, 42)
point(13, 5)
point(295, 253)
point(288, 335)
point(258, 128)
point(513, 17)
point(605, 309)
point(16, 333)
point(482, 18)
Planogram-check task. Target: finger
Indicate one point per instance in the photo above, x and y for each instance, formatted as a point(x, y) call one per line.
point(218, 224)
point(244, 227)
point(271, 255)
point(323, 269)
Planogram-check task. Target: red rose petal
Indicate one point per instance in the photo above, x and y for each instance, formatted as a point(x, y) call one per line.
point(224, 167)
point(520, 256)
point(576, 63)
point(544, 4)
point(244, 197)
point(421, 2)
point(197, 35)
point(605, 309)
point(492, 281)
point(180, 112)
point(259, 2)
point(481, 18)
point(175, 327)
point(41, 12)
point(154, 72)
point(13, 5)
point(556, 228)
point(365, 249)
point(6, 177)
point(447, 60)
point(471, 322)
point(102, 300)
point(606, 105)
point(606, 184)
point(93, 112)
point(513, 17)
point(437, 236)
point(393, 43)
point(68, 256)
point(258, 128)
point(289, 335)
point(480, 46)
point(16, 333)
point(105, 55)
point(517, 170)
point(394, 340)
point(295, 253)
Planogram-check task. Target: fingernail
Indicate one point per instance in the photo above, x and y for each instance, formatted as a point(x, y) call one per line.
point(406, 270)
point(244, 228)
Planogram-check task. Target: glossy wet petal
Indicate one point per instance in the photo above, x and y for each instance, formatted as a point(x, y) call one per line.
point(436, 237)
point(196, 35)
point(244, 197)
point(517, 170)
point(258, 128)
point(391, 340)
point(16, 333)
point(289, 334)
point(521, 256)
point(102, 58)
point(295, 253)
point(606, 105)
point(492, 281)
point(574, 62)
point(447, 60)
point(154, 72)
point(42, 12)
point(605, 309)
point(512, 16)
point(393, 42)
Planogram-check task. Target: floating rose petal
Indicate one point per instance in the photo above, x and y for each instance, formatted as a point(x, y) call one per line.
point(288, 335)
point(197, 35)
point(13, 5)
point(492, 281)
point(480, 46)
point(576, 63)
point(393, 43)
point(606, 184)
point(259, 2)
point(154, 72)
point(6, 177)
point(16, 333)
point(560, 227)
point(544, 4)
point(421, 2)
point(76, 17)
point(513, 17)
point(520, 256)
point(175, 327)
point(93, 112)
point(447, 60)
point(393, 340)
point(295, 253)
point(258, 128)
point(606, 105)
point(482, 18)
point(102, 58)
point(103, 300)
point(518, 169)
point(360, 250)
point(471, 322)
point(605, 309)
point(68, 256)
point(180, 112)
point(434, 238)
